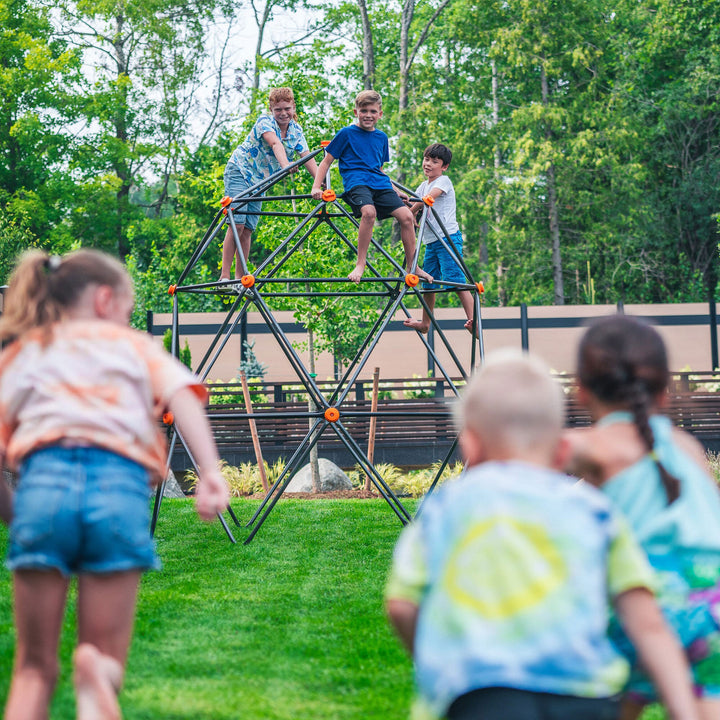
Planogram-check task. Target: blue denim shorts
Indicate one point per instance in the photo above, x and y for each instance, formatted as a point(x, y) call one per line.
point(441, 265)
point(81, 510)
point(235, 184)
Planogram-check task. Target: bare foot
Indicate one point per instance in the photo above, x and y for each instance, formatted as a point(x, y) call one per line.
point(97, 681)
point(357, 273)
point(416, 325)
point(469, 326)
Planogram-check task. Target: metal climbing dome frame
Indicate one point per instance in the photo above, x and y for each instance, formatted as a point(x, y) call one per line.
point(254, 289)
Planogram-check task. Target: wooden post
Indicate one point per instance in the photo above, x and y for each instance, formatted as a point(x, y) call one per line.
point(373, 422)
point(253, 433)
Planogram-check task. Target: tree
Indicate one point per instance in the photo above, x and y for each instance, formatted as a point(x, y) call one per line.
point(147, 56)
point(39, 79)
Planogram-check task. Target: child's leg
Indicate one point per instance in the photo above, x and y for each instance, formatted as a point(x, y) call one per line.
point(367, 221)
point(407, 236)
point(229, 250)
point(39, 606)
point(106, 612)
point(422, 325)
point(466, 300)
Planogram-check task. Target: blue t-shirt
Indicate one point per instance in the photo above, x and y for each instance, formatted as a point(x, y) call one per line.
point(361, 155)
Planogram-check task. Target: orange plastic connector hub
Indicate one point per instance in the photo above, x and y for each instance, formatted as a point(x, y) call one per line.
point(332, 414)
point(168, 418)
point(247, 281)
point(328, 195)
point(226, 201)
point(480, 287)
point(224, 211)
point(411, 280)
point(324, 143)
point(429, 200)
point(172, 289)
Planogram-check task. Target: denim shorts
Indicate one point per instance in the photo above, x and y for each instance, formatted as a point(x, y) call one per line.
point(235, 184)
point(440, 264)
point(81, 510)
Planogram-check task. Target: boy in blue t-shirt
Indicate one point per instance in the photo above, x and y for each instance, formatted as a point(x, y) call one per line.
point(362, 150)
point(501, 587)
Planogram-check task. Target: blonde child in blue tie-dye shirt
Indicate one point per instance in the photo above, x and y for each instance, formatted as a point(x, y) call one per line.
point(501, 588)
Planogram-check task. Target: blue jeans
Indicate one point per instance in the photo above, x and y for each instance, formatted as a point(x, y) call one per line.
point(81, 510)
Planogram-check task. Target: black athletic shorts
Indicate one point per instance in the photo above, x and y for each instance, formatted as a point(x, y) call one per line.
point(385, 201)
point(498, 703)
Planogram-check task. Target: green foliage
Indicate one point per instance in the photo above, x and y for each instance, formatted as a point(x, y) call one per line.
point(251, 366)
point(244, 479)
point(605, 115)
point(14, 239)
point(416, 389)
point(185, 354)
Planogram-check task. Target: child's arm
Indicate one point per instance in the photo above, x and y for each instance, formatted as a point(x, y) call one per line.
point(658, 650)
point(211, 495)
point(403, 615)
point(578, 457)
point(434, 193)
point(311, 165)
point(277, 147)
point(321, 174)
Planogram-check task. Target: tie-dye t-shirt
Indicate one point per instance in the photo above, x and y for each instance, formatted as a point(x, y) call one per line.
point(254, 158)
point(513, 568)
point(94, 383)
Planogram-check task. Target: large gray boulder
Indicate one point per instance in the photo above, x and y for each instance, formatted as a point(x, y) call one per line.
point(331, 478)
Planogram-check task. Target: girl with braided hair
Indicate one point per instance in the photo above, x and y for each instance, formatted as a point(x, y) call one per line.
point(658, 477)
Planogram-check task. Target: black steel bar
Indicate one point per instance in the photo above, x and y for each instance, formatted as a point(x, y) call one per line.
point(220, 331)
point(437, 476)
point(524, 343)
point(225, 339)
point(278, 494)
point(374, 475)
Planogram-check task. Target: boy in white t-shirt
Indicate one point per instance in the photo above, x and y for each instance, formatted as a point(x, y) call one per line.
point(439, 263)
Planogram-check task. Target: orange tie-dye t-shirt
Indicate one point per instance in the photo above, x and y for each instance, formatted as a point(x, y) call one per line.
point(94, 383)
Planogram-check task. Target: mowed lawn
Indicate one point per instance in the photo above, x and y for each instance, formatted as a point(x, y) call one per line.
point(290, 627)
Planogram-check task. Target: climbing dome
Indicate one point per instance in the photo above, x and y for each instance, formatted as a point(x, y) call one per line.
point(385, 279)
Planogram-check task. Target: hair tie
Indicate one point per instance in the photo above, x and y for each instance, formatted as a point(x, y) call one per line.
point(653, 456)
point(52, 263)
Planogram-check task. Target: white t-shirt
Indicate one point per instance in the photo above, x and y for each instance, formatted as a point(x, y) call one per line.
point(444, 206)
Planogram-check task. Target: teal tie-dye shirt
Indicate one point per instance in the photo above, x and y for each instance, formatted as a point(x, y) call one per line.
point(513, 567)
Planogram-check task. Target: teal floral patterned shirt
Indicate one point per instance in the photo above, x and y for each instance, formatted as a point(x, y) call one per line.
point(254, 158)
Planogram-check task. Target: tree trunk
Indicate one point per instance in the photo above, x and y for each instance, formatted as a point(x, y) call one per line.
point(368, 50)
point(497, 160)
point(314, 464)
point(558, 290)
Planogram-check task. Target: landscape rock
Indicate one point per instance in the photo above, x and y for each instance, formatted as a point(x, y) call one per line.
point(331, 478)
point(172, 487)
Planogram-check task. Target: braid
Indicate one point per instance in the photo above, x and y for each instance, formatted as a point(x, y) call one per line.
point(624, 363)
point(638, 400)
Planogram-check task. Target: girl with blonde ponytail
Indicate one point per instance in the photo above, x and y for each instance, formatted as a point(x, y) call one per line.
point(81, 395)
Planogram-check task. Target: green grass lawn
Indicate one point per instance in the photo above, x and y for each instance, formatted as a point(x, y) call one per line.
point(290, 627)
